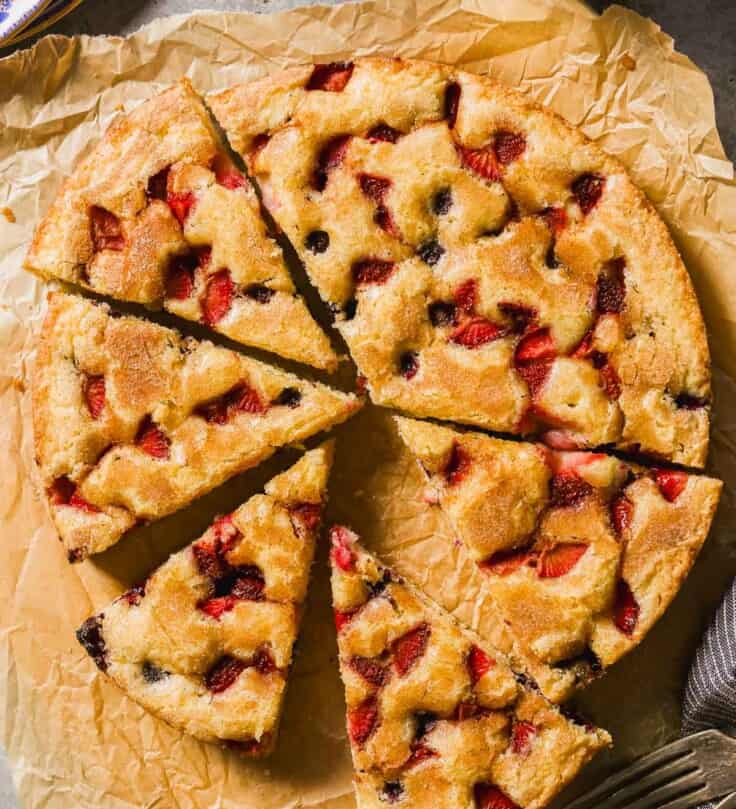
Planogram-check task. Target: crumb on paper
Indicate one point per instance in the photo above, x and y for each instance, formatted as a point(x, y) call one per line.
point(628, 61)
point(8, 214)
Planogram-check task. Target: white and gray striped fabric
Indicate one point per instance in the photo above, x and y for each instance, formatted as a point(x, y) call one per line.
point(710, 695)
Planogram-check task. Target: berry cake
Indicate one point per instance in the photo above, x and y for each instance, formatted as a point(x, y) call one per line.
point(132, 421)
point(435, 717)
point(206, 642)
point(157, 213)
point(485, 262)
point(582, 552)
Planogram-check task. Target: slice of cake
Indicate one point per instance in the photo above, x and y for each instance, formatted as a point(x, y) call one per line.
point(132, 421)
point(206, 642)
point(435, 717)
point(582, 552)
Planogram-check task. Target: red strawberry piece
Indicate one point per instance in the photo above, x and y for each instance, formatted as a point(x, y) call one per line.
point(77, 501)
point(458, 465)
point(217, 607)
point(180, 278)
point(555, 219)
point(522, 736)
point(331, 77)
point(385, 221)
point(332, 154)
point(263, 662)
point(362, 721)
point(488, 796)
point(408, 364)
point(374, 187)
point(419, 753)
point(622, 511)
point(560, 559)
point(503, 563)
point(466, 295)
point(207, 558)
point(452, 102)
point(535, 374)
point(135, 594)
point(572, 461)
point(226, 533)
point(538, 345)
point(308, 515)
point(522, 316)
point(479, 663)
point(94, 394)
point(361, 384)
point(671, 483)
point(152, 439)
point(560, 440)
point(568, 489)
point(370, 669)
point(611, 381)
point(372, 271)
point(476, 332)
point(626, 609)
point(105, 230)
point(342, 618)
point(585, 347)
point(157, 184)
point(409, 648)
point(610, 293)
point(509, 146)
point(587, 190)
point(218, 297)
point(259, 142)
point(224, 673)
point(383, 132)
point(469, 710)
point(181, 204)
point(227, 174)
point(240, 399)
point(481, 161)
point(342, 553)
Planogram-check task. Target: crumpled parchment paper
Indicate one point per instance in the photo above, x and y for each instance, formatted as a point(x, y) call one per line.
point(73, 738)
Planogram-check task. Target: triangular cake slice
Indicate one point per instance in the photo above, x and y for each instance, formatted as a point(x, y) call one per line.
point(487, 263)
point(582, 552)
point(132, 421)
point(206, 642)
point(437, 718)
point(157, 213)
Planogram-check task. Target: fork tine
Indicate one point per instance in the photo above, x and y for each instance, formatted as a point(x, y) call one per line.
point(640, 768)
point(683, 787)
point(689, 801)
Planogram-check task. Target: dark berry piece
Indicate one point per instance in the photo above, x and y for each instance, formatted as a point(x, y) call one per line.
point(90, 636)
point(425, 721)
point(372, 271)
point(568, 489)
point(383, 132)
point(458, 465)
point(317, 241)
point(135, 594)
point(375, 588)
point(392, 791)
point(442, 314)
point(153, 674)
point(330, 157)
point(259, 293)
point(452, 102)
point(223, 674)
point(587, 190)
point(687, 402)
point(431, 252)
point(509, 146)
point(157, 185)
point(408, 364)
point(331, 77)
point(350, 309)
point(289, 397)
point(611, 288)
point(551, 259)
point(442, 202)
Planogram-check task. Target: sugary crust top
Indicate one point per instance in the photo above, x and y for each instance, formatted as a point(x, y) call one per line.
point(132, 421)
point(435, 716)
point(157, 213)
point(207, 641)
point(583, 552)
point(488, 263)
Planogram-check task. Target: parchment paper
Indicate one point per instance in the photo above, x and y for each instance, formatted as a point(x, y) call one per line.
point(74, 739)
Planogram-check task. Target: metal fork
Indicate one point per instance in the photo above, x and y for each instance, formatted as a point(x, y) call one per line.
point(683, 774)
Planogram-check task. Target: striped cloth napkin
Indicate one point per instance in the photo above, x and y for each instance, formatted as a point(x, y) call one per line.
point(710, 695)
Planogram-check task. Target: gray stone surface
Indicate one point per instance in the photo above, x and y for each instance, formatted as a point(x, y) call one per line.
point(705, 32)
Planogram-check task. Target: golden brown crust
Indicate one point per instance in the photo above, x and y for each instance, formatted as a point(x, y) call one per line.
point(627, 359)
point(583, 552)
point(157, 213)
point(235, 594)
point(132, 421)
point(435, 716)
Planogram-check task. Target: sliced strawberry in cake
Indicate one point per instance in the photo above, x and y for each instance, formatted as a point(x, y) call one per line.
point(206, 642)
point(132, 421)
point(436, 717)
point(582, 552)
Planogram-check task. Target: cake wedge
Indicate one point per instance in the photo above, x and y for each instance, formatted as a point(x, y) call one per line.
point(206, 642)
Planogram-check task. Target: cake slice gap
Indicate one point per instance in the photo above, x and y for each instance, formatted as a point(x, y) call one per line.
point(436, 716)
point(206, 641)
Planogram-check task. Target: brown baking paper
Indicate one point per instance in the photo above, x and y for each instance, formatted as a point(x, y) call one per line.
point(73, 738)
